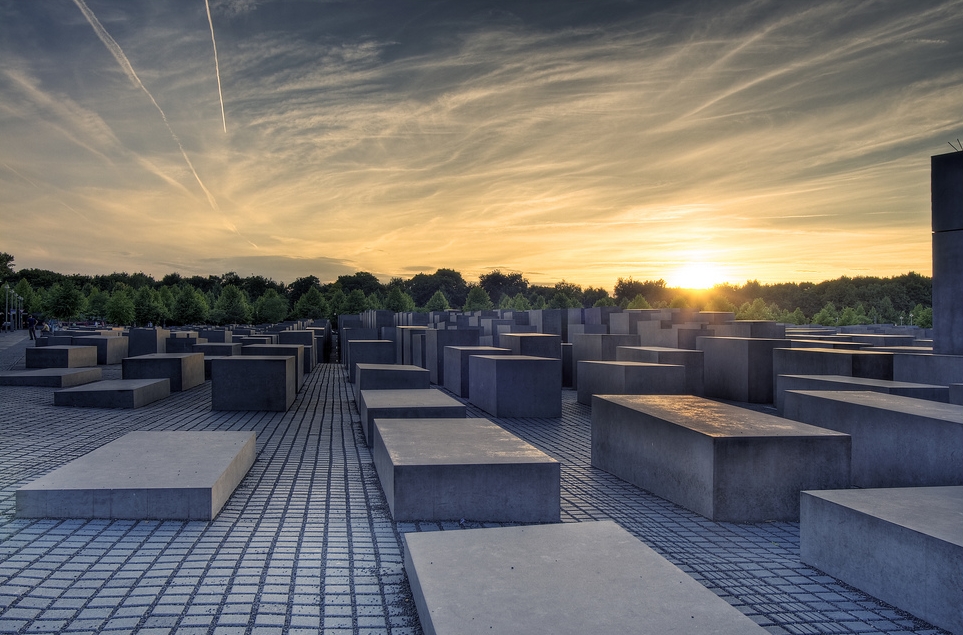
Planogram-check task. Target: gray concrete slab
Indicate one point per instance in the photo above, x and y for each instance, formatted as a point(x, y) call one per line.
point(842, 382)
point(273, 350)
point(691, 359)
point(111, 349)
point(897, 441)
point(435, 343)
point(305, 338)
point(60, 356)
point(628, 378)
point(390, 377)
point(532, 344)
point(452, 469)
point(456, 365)
point(739, 368)
point(405, 404)
point(145, 475)
point(724, 462)
point(368, 352)
point(217, 349)
point(829, 361)
point(591, 577)
point(51, 377)
point(143, 341)
point(114, 393)
point(254, 382)
point(515, 385)
point(930, 369)
point(902, 545)
point(185, 370)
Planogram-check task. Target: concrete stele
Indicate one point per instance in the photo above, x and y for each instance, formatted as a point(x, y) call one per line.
point(114, 393)
point(443, 469)
point(560, 579)
point(901, 545)
point(145, 475)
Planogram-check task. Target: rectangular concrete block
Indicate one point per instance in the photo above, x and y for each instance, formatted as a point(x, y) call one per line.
point(306, 339)
point(51, 377)
point(452, 469)
point(726, 463)
point(596, 347)
point(628, 378)
point(273, 350)
point(110, 348)
point(532, 344)
point(369, 352)
point(114, 393)
point(60, 356)
point(218, 349)
point(841, 382)
point(435, 343)
point(901, 545)
point(516, 385)
point(560, 579)
point(143, 341)
point(739, 368)
point(942, 370)
point(389, 377)
point(405, 404)
point(254, 382)
point(456, 365)
point(828, 361)
point(145, 475)
point(692, 360)
point(185, 370)
point(897, 441)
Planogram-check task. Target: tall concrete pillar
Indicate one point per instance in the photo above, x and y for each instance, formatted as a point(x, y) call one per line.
point(946, 183)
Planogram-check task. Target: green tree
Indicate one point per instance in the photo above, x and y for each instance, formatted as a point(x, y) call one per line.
point(6, 267)
point(539, 302)
point(232, 307)
point(827, 316)
point(33, 302)
point(120, 308)
point(922, 316)
point(301, 286)
point(605, 300)
point(505, 302)
point(639, 302)
point(756, 310)
point(190, 306)
point(478, 300)
point(312, 305)
point(521, 303)
point(148, 307)
point(591, 295)
point(271, 307)
point(437, 302)
point(355, 303)
point(65, 301)
point(97, 304)
point(374, 300)
point(562, 300)
point(496, 283)
point(168, 299)
point(399, 301)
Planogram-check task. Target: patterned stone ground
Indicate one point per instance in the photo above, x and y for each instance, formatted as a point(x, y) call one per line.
point(306, 544)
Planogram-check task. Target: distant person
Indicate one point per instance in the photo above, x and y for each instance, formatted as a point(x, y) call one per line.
point(32, 327)
point(44, 327)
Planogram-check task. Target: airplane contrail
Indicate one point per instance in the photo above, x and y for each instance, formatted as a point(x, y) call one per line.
point(118, 54)
point(43, 190)
point(217, 69)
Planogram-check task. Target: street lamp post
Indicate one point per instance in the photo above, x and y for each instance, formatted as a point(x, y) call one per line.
point(19, 312)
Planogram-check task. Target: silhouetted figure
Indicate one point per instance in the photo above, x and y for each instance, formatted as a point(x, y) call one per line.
point(32, 327)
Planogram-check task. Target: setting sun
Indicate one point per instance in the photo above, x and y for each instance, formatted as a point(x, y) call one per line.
point(696, 275)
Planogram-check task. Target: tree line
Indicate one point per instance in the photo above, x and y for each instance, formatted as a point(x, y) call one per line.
point(138, 298)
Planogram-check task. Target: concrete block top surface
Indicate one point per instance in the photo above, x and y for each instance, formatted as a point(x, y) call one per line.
point(164, 356)
point(115, 384)
point(590, 577)
point(454, 442)
point(864, 381)
point(391, 367)
point(715, 419)
point(932, 511)
point(894, 403)
point(415, 397)
point(150, 460)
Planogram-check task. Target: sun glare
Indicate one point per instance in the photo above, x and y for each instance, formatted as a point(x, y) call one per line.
point(696, 275)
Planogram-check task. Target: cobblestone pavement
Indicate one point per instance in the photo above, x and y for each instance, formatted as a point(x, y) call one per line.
point(306, 543)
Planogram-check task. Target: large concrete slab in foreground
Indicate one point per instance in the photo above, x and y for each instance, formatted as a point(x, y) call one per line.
point(901, 545)
point(442, 469)
point(897, 441)
point(561, 579)
point(145, 475)
point(430, 403)
point(114, 393)
point(727, 463)
point(50, 377)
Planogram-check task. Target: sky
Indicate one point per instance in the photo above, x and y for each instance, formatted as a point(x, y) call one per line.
point(697, 142)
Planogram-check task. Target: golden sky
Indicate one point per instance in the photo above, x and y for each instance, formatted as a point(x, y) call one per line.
point(697, 142)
